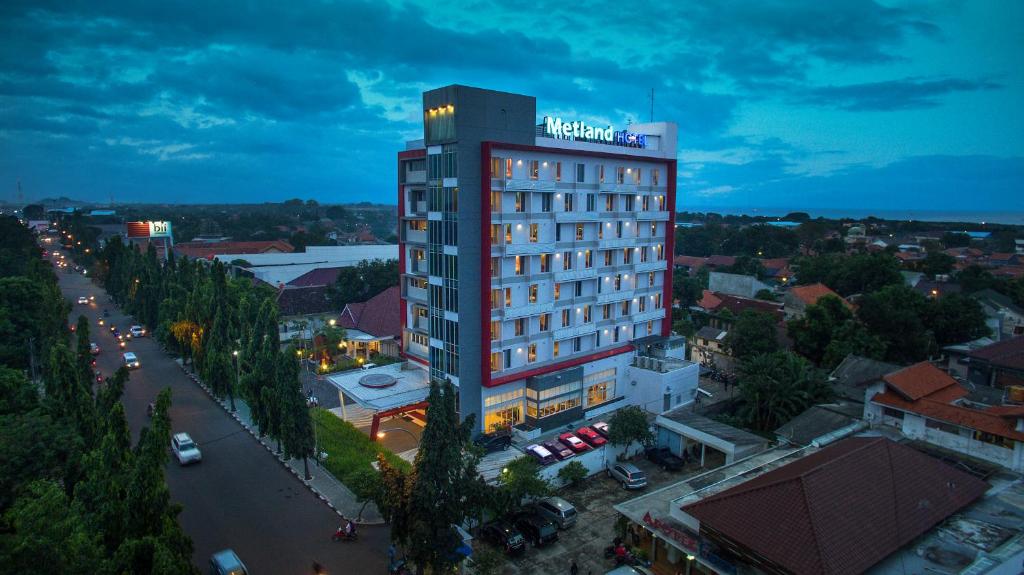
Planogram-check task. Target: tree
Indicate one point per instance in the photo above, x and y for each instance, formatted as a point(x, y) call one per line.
point(936, 263)
point(573, 473)
point(765, 294)
point(363, 281)
point(895, 314)
point(848, 275)
point(956, 240)
point(775, 387)
point(296, 426)
point(629, 425)
point(520, 479)
point(33, 212)
point(975, 278)
point(851, 337)
point(487, 561)
point(367, 486)
point(752, 333)
point(812, 333)
point(955, 318)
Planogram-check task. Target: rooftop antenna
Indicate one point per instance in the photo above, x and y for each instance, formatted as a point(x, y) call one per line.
point(652, 105)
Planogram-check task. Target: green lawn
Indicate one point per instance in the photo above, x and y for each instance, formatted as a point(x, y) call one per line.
point(348, 449)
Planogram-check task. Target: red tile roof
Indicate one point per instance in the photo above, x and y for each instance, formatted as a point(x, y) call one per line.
point(919, 380)
point(200, 250)
point(720, 261)
point(1007, 353)
point(840, 510)
point(810, 294)
point(988, 421)
point(713, 301)
point(688, 261)
point(709, 300)
point(379, 316)
point(317, 277)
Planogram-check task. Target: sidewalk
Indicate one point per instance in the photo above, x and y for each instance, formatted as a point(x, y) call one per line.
point(323, 484)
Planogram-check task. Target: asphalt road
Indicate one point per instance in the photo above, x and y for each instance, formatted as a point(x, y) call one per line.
point(239, 496)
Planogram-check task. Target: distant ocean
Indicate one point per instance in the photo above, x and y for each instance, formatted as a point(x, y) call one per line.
point(978, 217)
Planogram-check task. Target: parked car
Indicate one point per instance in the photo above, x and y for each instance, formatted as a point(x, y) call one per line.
point(130, 361)
point(541, 454)
point(630, 570)
point(537, 529)
point(137, 331)
point(94, 348)
point(590, 436)
point(574, 443)
point(558, 510)
point(82, 300)
point(628, 475)
point(185, 449)
point(497, 441)
point(560, 450)
point(226, 562)
point(600, 427)
point(503, 534)
point(664, 458)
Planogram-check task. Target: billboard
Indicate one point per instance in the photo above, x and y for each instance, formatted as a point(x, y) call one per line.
point(149, 229)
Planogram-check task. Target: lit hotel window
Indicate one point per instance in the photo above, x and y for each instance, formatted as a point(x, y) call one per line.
point(533, 293)
point(495, 267)
point(554, 350)
point(558, 171)
point(534, 232)
point(495, 330)
point(495, 361)
point(495, 201)
point(654, 176)
point(531, 355)
point(600, 173)
point(558, 291)
point(520, 325)
point(636, 176)
point(496, 167)
point(620, 175)
point(544, 321)
point(508, 168)
point(545, 263)
point(579, 231)
point(520, 268)
point(508, 297)
point(534, 169)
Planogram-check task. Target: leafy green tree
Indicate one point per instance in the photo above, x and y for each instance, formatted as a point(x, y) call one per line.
point(766, 295)
point(956, 240)
point(828, 328)
point(573, 473)
point(487, 561)
point(747, 266)
point(367, 486)
point(895, 314)
point(520, 479)
point(751, 334)
point(955, 318)
point(296, 425)
point(975, 278)
point(936, 263)
point(363, 281)
point(856, 274)
point(851, 337)
point(629, 425)
point(775, 387)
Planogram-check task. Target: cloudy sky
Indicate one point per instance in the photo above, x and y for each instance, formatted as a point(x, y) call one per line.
point(792, 103)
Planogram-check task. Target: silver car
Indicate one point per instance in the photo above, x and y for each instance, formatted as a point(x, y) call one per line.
point(185, 449)
point(558, 510)
point(628, 475)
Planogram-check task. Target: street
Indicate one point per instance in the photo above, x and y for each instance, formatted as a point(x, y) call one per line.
point(239, 496)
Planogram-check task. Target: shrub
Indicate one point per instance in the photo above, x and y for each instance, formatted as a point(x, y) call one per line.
point(573, 473)
point(349, 451)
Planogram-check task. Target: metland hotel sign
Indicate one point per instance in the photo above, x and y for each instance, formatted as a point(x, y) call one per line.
point(579, 130)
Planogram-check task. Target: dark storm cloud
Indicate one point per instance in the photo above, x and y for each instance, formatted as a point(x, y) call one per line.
point(902, 94)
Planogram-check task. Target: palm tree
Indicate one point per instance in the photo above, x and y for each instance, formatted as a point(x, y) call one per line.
point(776, 387)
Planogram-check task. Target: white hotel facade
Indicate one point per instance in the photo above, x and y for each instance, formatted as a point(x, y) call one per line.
point(536, 261)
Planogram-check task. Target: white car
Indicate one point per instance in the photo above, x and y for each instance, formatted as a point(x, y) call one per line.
point(94, 348)
point(130, 361)
point(83, 300)
point(185, 449)
point(137, 331)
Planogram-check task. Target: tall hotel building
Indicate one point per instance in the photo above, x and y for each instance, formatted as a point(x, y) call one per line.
point(535, 260)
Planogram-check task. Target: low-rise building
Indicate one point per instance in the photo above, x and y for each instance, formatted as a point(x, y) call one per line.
point(206, 250)
point(999, 365)
point(278, 269)
point(1004, 318)
point(736, 284)
point(798, 298)
point(374, 326)
point(707, 347)
point(302, 312)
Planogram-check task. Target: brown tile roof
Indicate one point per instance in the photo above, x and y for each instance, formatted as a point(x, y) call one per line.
point(1007, 353)
point(206, 250)
point(293, 300)
point(714, 301)
point(317, 277)
point(919, 380)
point(810, 294)
point(720, 261)
point(379, 316)
point(996, 423)
point(688, 261)
point(709, 300)
point(840, 510)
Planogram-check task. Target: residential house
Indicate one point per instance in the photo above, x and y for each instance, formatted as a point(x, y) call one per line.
point(926, 404)
point(999, 365)
point(798, 298)
point(690, 264)
point(936, 289)
point(1003, 259)
point(820, 423)
point(374, 326)
point(777, 270)
point(854, 374)
point(714, 304)
point(1004, 318)
point(736, 284)
point(277, 269)
point(956, 356)
point(317, 277)
point(302, 312)
point(715, 262)
point(207, 250)
point(707, 347)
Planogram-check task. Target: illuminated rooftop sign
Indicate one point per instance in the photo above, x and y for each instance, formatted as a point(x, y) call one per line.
point(579, 130)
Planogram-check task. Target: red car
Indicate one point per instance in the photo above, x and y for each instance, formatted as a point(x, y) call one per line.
point(574, 443)
point(590, 436)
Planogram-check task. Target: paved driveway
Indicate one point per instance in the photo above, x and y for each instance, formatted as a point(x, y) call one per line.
point(240, 496)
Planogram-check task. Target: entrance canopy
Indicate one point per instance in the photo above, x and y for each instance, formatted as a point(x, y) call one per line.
point(384, 388)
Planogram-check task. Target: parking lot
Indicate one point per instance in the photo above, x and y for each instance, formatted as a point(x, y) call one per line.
point(595, 526)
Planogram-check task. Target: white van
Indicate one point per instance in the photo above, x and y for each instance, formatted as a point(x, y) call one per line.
point(130, 361)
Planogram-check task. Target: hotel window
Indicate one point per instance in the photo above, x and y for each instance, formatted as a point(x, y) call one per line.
point(607, 257)
point(545, 202)
point(606, 311)
point(496, 167)
point(615, 335)
point(577, 344)
point(558, 291)
point(661, 203)
point(495, 267)
point(579, 288)
point(495, 299)
point(618, 282)
point(588, 259)
point(520, 325)
point(580, 169)
point(650, 279)
point(643, 254)
point(588, 316)
point(531, 354)
point(620, 175)
point(545, 263)
point(565, 318)
point(591, 202)
point(654, 176)
point(641, 306)
point(568, 202)
point(495, 361)
point(495, 201)
point(520, 266)
point(579, 231)
point(558, 232)
point(645, 205)
point(625, 308)
point(495, 330)
point(627, 255)
point(566, 261)
point(508, 233)
point(554, 350)
point(650, 327)
point(508, 358)
point(558, 171)
point(657, 301)
point(520, 202)
point(533, 293)
point(495, 234)
point(600, 231)
point(629, 202)
point(609, 203)
point(508, 167)
point(534, 169)
point(544, 322)
point(654, 229)
point(659, 252)
point(636, 176)
point(618, 229)
point(600, 387)
point(534, 232)
point(508, 297)
point(600, 173)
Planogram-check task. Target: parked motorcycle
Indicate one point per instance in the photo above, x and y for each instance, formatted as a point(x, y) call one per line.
point(341, 535)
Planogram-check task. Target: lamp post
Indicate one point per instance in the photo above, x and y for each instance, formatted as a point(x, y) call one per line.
point(238, 377)
point(689, 564)
point(383, 432)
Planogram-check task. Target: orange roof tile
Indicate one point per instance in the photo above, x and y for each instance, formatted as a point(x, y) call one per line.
point(810, 294)
point(919, 380)
point(709, 300)
point(958, 415)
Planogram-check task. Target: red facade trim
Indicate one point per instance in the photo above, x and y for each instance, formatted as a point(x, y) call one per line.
point(558, 366)
point(375, 422)
point(485, 263)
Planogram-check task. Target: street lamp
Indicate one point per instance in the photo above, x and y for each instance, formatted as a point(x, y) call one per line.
point(689, 563)
point(238, 376)
point(383, 432)
point(333, 322)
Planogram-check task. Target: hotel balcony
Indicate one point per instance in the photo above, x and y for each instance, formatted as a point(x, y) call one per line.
point(415, 236)
point(655, 216)
point(524, 310)
point(527, 249)
point(578, 274)
point(612, 243)
point(575, 331)
point(612, 188)
point(415, 294)
point(415, 177)
point(614, 296)
point(654, 314)
point(579, 216)
point(517, 185)
point(657, 265)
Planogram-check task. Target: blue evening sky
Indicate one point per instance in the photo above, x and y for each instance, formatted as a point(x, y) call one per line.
point(792, 103)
